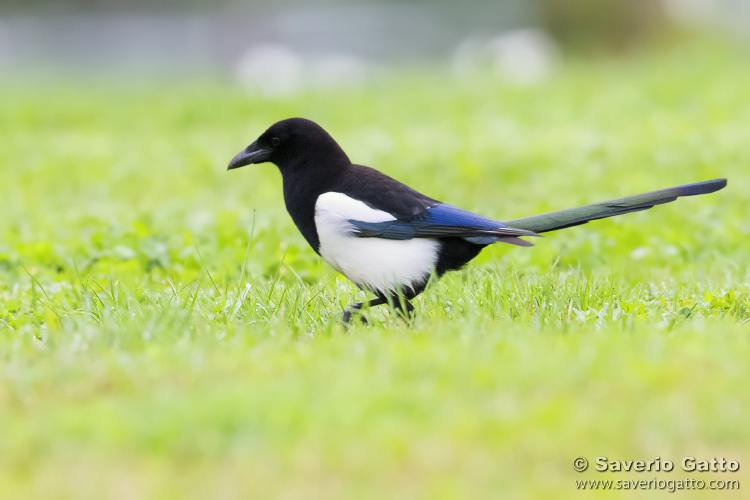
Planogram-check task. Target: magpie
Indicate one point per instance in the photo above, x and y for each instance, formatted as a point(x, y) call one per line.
point(388, 238)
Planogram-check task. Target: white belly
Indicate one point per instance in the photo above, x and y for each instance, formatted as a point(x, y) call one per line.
point(374, 264)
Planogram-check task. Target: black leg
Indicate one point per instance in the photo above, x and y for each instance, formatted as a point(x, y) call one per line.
point(347, 315)
point(397, 303)
point(403, 307)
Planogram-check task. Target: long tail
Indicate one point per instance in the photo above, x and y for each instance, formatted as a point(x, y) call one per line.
point(580, 215)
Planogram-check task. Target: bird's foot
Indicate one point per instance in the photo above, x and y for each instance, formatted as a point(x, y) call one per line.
point(346, 316)
point(405, 310)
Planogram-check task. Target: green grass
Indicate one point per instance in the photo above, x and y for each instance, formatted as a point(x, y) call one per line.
point(165, 332)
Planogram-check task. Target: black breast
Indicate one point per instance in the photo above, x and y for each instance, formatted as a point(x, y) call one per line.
point(300, 196)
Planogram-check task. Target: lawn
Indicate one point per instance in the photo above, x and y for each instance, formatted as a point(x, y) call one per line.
point(165, 331)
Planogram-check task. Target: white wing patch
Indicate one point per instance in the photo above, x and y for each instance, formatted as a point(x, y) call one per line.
point(374, 264)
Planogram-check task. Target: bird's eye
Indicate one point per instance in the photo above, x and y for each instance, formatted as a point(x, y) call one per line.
point(275, 141)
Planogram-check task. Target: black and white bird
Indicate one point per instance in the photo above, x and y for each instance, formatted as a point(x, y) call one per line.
point(388, 238)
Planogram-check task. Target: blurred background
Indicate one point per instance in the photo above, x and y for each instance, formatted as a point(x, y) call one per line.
point(276, 47)
point(165, 329)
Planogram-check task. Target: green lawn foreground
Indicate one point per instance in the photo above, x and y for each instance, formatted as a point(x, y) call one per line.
point(165, 332)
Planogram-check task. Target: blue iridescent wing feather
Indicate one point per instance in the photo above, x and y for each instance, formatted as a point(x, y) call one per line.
point(440, 221)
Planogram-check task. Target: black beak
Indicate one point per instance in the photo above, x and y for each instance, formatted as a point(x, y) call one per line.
point(251, 154)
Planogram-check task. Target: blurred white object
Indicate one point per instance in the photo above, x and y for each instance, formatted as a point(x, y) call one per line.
point(521, 57)
point(693, 11)
point(271, 69)
point(276, 71)
point(734, 14)
point(336, 71)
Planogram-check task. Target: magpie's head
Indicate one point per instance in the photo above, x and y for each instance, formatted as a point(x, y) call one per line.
point(292, 144)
